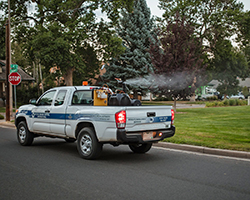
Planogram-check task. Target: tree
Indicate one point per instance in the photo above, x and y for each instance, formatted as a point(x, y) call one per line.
point(177, 60)
point(2, 39)
point(228, 65)
point(60, 31)
point(214, 22)
point(244, 35)
point(135, 29)
point(210, 19)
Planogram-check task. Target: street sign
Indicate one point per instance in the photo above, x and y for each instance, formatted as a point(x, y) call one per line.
point(15, 78)
point(13, 68)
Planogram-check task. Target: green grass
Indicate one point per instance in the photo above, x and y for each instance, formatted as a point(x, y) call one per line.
point(217, 127)
point(3, 110)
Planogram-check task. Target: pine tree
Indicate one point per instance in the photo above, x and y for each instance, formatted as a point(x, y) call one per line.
point(135, 30)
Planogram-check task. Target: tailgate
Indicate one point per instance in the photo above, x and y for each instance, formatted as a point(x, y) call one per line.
point(144, 118)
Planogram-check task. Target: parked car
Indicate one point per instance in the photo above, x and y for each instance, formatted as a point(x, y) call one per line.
point(237, 96)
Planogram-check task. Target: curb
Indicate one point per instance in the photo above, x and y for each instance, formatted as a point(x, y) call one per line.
point(204, 150)
point(7, 124)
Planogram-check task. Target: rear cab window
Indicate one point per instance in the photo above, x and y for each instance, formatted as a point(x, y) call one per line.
point(82, 97)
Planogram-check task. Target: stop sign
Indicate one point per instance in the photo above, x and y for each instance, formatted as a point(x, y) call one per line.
point(14, 78)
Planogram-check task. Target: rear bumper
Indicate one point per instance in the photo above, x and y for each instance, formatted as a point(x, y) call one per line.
point(137, 137)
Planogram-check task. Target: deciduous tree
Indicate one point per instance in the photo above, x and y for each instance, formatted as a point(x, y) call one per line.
point(178, 59)
point(56, 32)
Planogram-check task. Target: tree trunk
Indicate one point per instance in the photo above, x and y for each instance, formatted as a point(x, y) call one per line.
point(68, 77)
point(135, 94)
point(174, 107)
point(192, 99)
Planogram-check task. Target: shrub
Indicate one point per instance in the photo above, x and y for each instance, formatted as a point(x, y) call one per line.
point(221, 104)
point(226, 102)
point(216, 103)
point(212, 98)
point(163, 99)
point(210, 104)
point(237, 102)
point(1, 116)
point(232, 102)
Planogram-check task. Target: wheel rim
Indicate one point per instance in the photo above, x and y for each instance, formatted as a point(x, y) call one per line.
point(86, 144)
point(22, 134)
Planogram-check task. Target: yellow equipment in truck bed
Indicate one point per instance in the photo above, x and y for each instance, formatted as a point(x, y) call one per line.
point(100, 97)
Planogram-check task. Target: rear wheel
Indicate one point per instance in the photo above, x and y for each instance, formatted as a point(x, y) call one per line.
point(140, 148)
point(87, 144)
point(24, 136)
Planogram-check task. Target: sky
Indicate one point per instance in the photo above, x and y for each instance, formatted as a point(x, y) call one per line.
point(153, 5)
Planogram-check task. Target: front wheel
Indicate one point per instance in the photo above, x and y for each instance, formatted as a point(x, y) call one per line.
point(88, 145)
point(140, 148)
point(24, 136)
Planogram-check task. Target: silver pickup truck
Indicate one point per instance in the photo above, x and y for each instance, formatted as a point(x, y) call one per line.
point(72, 114)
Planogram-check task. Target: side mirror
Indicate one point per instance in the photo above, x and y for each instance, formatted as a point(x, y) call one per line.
point(32, 101)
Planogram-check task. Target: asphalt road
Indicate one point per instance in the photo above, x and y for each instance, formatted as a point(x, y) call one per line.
point(52, 169)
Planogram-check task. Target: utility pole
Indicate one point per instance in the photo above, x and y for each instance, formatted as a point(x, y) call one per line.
point(8, 61)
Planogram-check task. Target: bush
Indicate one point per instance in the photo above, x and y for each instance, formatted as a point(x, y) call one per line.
point(237, 102)
point(226, 102)
point(210, 104)
point(232, 102)
point(216, 103)
point(1, 116)
point(221, 104)
point(163, 99)
point(213, 98)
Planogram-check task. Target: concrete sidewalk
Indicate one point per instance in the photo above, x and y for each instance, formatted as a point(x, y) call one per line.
point(183, 147)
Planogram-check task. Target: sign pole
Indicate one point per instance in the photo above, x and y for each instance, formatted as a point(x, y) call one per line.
point(15, 96)
point(15, 79)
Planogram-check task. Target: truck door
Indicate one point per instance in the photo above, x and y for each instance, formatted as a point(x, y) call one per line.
point(40, 118)
point(58, 113)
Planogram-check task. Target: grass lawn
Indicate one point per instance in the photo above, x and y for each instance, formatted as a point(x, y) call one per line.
point(2, 110)
point(216, 127)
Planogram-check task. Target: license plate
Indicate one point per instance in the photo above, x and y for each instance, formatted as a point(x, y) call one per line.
point(148, 135)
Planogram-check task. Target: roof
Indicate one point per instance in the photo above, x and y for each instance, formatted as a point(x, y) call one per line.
point(245, 83)
point(25, 76)
point(242, 83)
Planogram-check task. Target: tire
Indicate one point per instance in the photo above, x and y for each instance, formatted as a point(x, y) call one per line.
point(24, 136)
point(140, 148)
point(88, 145)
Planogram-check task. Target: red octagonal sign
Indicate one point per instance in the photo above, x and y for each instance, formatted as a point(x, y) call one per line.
point(14, 78)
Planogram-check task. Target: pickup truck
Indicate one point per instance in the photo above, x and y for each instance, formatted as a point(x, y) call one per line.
point(70, 113)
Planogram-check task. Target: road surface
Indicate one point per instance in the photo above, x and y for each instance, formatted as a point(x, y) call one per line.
point(52, 169)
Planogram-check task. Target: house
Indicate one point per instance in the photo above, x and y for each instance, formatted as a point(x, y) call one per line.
point(242, 83)
point(26, 79)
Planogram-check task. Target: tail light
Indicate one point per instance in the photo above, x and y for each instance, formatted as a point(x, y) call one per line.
point(172, 116)
point(120, 119)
